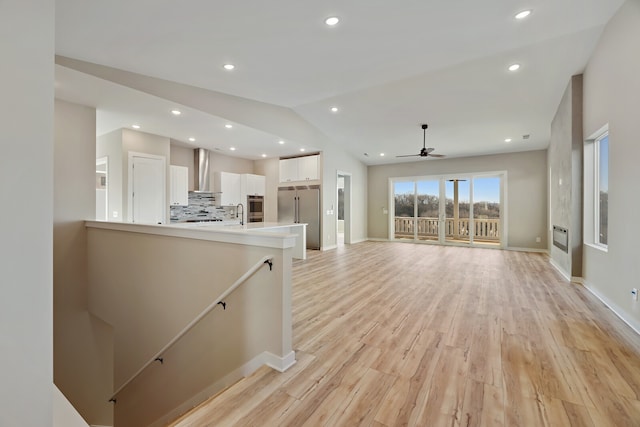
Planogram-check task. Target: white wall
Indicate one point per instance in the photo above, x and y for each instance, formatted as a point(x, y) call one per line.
point(26, 171)
point(336, 160)
point(526, 191)
point(612, 95)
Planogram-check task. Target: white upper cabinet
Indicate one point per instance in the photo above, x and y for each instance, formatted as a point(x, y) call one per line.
point(288, 170)
point(252, 185)
point(305, 168)
point(179, 179)
point(308, 168)
point(228, 184)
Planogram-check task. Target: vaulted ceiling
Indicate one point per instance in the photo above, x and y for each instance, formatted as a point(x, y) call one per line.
point(386, 66)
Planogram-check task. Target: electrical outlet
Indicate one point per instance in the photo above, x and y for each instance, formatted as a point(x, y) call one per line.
point(634, 294)
point(538, 239)
point(115, 214)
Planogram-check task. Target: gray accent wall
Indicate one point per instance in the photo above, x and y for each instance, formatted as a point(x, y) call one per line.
point(526, 191)
point(612, 95)
point(565, 157)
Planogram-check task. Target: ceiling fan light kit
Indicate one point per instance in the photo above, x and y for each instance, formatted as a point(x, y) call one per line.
point(424, 152)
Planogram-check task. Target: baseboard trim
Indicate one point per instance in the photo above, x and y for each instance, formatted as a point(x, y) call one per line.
point(560, 270)
point(353, 242)
point(519, 249)
point(508, 248)
point(613, 307)
point(328, 248)
point(280, 364)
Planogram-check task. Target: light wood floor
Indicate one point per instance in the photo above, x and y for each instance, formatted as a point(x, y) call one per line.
point(396, 334)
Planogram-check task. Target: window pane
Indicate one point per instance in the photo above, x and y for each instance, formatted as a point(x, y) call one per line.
point(603, 188)
point(486, 210)
point(428, 209)
point(404, 198)
point(457, 193)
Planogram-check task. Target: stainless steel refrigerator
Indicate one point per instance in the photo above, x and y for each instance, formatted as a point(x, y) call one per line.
point(301, 205)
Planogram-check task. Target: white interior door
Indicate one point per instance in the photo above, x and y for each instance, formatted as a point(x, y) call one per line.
point(147, 184)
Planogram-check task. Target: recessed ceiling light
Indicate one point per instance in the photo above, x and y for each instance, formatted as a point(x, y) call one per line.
point(334, 109)
point(228, 67)
point(135, 126)
point(523, 14)
point(281, 142)
point(228, 126)
point(302, 149)
point(192, 139)
point(514, 67)
point(332, 20)
point(508, 140)
point(381, 154)
point(176, 112)
point(232, 148)
point(264, 155)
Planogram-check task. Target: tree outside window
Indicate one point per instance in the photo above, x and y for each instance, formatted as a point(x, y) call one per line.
point(602, 189)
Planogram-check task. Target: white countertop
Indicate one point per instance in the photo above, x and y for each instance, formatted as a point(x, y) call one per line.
point(235, 226)
point(269, 234)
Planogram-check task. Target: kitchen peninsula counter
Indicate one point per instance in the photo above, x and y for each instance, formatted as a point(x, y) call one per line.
point(267, 234)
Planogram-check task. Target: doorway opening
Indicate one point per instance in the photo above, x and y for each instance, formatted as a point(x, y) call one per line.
point(343, 211)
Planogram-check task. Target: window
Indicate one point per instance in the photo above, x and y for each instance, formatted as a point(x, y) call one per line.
point(601, 189)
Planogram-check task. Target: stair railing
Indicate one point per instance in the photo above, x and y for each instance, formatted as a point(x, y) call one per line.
point(218, 301)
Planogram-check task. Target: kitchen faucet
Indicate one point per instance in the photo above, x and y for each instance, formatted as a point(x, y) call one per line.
point(241, 214)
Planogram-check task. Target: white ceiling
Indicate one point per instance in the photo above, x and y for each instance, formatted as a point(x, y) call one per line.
point(387, 66)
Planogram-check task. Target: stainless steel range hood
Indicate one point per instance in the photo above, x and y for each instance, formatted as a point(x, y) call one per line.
point(202, 181)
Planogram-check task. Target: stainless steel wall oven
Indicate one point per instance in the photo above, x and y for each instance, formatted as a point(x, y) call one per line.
point(255, 208)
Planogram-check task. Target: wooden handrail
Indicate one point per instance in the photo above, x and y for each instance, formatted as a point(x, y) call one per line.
point(207, 310)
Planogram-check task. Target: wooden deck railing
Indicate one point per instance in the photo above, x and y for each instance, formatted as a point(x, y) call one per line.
point(484, 229)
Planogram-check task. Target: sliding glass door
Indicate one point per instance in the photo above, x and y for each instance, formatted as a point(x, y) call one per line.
point(428, 210)
point(457, 198)
point(486, 210)
point(456, 210)
point(404, 210)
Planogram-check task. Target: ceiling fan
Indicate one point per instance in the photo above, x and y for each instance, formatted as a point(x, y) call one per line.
point(424, 152)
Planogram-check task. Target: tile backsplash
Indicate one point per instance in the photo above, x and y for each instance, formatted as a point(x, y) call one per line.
point(202, 206)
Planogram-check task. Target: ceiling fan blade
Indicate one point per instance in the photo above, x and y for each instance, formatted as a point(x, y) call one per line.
point(410, 155)
point(437, 155)
point(429, 150)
